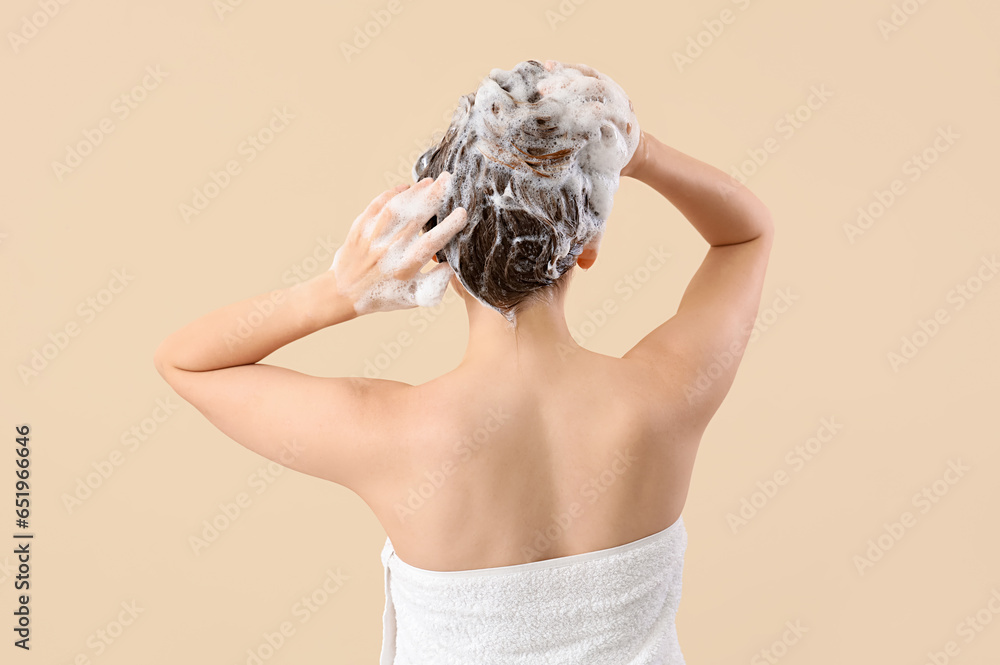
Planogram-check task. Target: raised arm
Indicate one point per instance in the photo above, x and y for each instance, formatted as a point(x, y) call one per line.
point(698, 350)
point(332, 428)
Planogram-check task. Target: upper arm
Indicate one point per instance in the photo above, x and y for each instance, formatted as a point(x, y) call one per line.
point(698, 350)
point(330, 428)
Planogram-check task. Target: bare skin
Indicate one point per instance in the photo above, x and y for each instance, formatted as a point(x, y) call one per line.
point(532, 447)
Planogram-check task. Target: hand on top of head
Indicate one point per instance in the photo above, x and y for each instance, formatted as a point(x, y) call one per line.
point(639, 156)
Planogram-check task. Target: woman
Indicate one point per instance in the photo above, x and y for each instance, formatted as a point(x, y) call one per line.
point(532, 496)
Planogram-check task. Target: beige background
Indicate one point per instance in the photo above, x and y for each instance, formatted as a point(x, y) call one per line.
point(358, 124)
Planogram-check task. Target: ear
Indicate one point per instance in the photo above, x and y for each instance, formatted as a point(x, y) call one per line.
point(589, 254)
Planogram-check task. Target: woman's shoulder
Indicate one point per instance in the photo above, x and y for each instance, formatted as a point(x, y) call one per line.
point(653, 399)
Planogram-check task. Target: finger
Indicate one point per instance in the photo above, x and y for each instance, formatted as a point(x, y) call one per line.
point(420, 184)
point(431, 242)
point(417, 211)
point(585, 69)
point(591, 87)
point(408, 192)
point(419, 190)
point(410, 206)
point(432, 285)
point(583, 86)
point(430, 200)
point(362, 224)
point(379, 201)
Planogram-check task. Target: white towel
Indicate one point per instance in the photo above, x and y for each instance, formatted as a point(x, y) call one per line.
point(612, 606)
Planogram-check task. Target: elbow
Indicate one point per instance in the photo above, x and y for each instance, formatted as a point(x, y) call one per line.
point(765, 224)
point(161, 361)
point(769, 229)
point(159, 365)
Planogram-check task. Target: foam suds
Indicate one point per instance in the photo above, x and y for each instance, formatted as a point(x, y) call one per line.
point(579, 111)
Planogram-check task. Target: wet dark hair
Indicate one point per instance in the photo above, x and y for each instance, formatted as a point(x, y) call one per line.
point(520, 241)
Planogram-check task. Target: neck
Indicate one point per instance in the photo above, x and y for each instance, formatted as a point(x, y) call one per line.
point(540, 336)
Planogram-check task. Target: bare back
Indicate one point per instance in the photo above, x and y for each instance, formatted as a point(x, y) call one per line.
point(510, 466)
point(593, 451)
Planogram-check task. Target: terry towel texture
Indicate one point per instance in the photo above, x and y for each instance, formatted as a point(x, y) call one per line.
point(612, 606)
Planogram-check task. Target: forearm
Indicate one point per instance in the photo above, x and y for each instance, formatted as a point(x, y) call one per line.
point(722, 210)
point(245, 332)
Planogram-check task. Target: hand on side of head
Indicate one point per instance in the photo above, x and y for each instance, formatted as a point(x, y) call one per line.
point(378, 266)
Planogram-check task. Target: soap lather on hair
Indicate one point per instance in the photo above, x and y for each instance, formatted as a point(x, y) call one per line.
point(535, 157)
